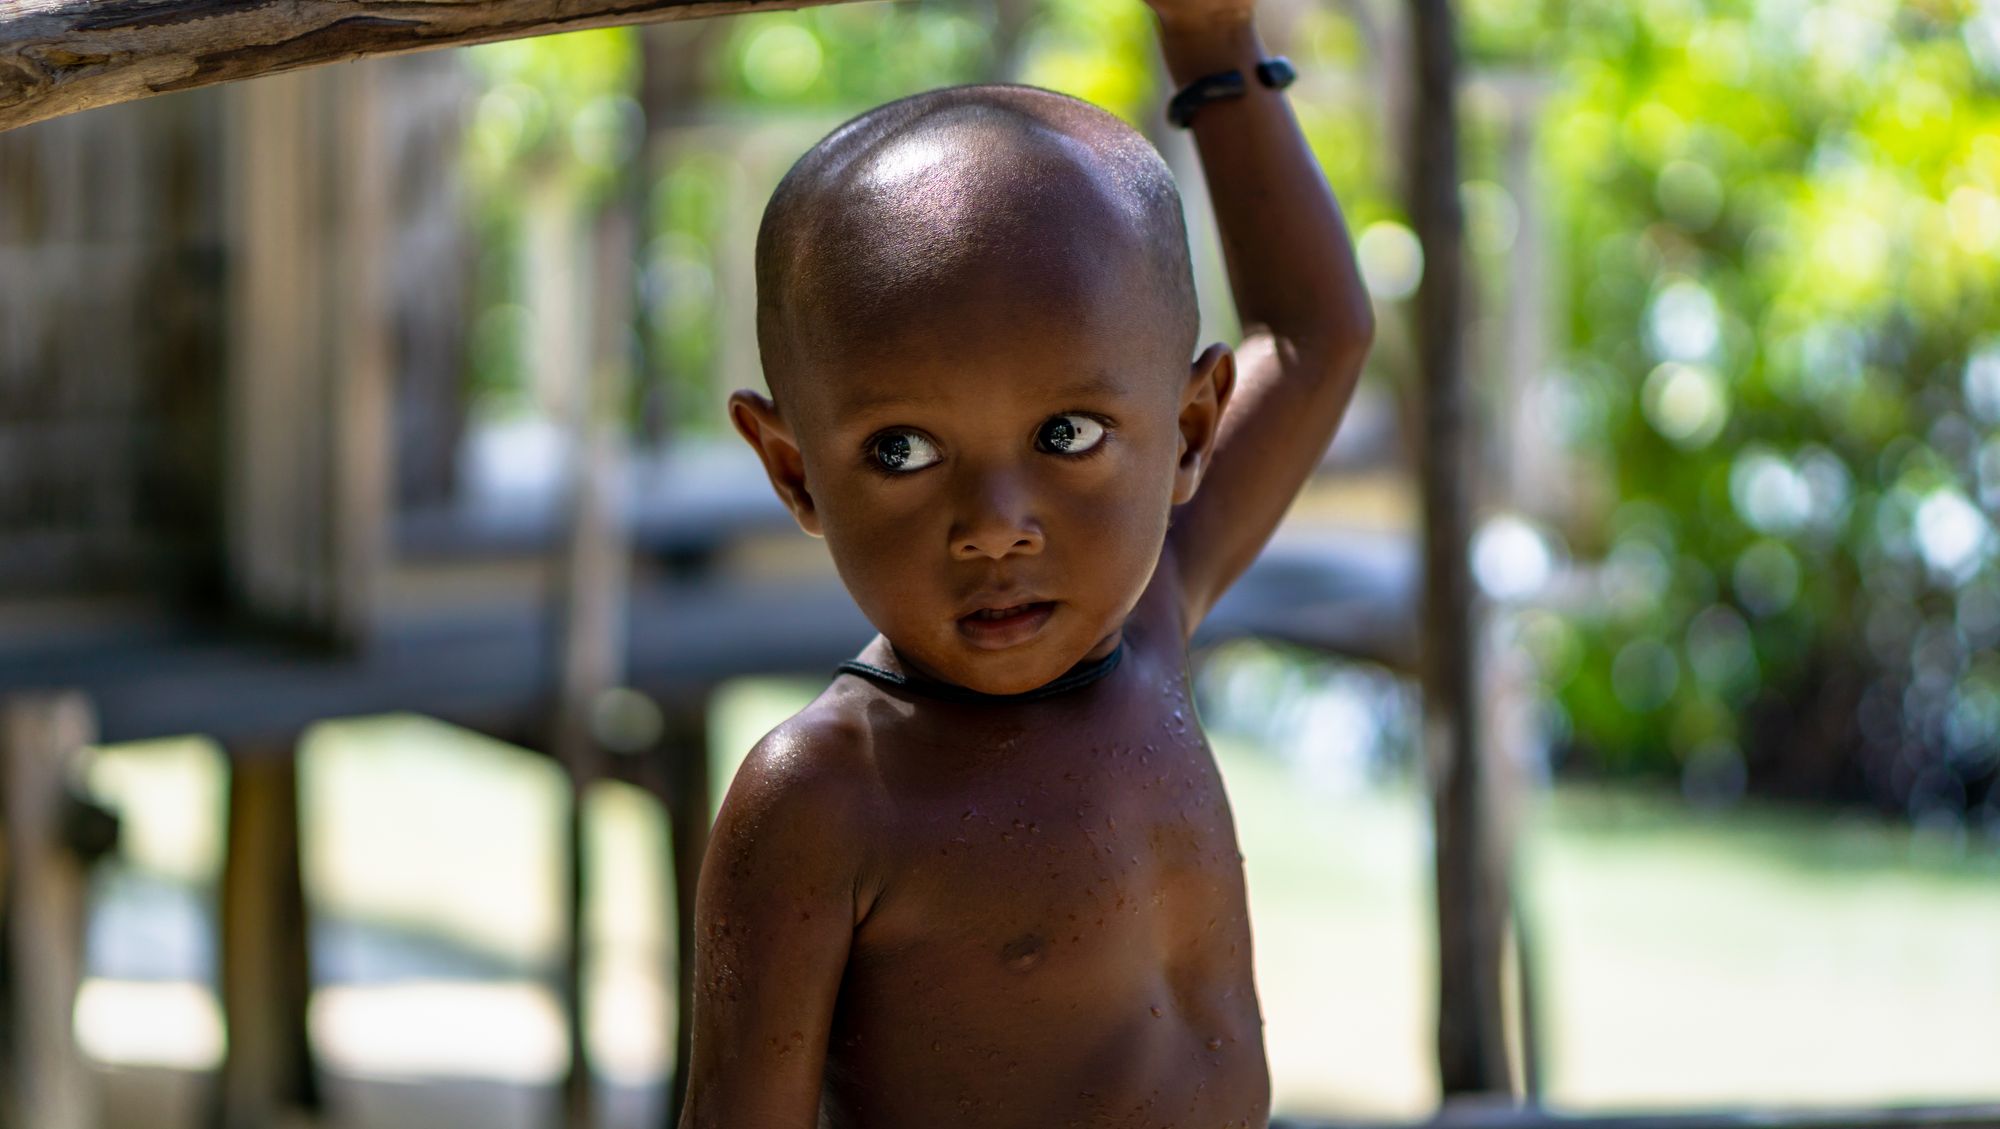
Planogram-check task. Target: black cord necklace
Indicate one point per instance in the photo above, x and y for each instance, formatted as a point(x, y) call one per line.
point(1079, 676)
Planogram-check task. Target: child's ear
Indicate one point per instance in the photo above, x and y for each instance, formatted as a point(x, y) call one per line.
point(757, 420)
point(1211, 378)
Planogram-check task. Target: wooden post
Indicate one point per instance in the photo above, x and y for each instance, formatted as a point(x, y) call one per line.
point(1471, 886)
point(265, 971)
point(591, 597)
point(673, 64)
point(357, 392)
point(308, 507)
point(669, 83)
point(689, 815)
point(45, 885)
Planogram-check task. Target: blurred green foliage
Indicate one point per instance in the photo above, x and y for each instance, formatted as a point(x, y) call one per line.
point(1779, 225)
point(853, 55)
point(1776, 237)
point(555, 118)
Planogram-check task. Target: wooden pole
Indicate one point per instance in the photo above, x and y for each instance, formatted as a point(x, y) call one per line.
point(357, 393)
point(688, 817)
point(1471, 891)
point(61, 56)
point(591, 598)
point(265, 968)
point(669, 85)
point(309, 377)
point(45, 884)
point(673, 60)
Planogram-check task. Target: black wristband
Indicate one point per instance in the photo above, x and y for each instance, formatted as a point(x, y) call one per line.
point(1276, 73)
point(1202, 91)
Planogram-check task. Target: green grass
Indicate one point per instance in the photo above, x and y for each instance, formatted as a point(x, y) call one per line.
point(1764, 955)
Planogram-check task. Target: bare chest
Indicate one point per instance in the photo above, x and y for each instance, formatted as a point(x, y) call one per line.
point(1057, 931)
point(1098, 852)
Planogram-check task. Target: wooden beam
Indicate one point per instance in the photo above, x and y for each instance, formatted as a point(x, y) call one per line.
point(44, 884)
point(1472, 907)
point(61, 56)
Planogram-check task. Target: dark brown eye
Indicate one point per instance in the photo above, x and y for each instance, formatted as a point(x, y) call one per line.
point(903, 451)
point(1070, 434)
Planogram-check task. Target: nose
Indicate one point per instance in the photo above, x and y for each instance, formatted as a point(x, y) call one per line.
point(995, 520)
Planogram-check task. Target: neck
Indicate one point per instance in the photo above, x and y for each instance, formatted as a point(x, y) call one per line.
point(882, 662)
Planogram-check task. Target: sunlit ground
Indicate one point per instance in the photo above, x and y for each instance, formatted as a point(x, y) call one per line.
point(1755, 957)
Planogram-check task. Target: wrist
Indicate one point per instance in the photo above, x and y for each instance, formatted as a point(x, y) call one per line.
point(1204, 45)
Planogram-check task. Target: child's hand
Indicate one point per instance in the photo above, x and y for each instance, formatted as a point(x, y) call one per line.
point(1196, 15)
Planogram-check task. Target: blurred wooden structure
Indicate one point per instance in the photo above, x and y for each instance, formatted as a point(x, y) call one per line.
point(46, 1080)
point(1472, 859)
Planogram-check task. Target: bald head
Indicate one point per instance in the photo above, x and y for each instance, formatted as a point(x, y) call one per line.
point(914, 211)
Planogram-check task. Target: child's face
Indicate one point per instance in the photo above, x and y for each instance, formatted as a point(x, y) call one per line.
point(1018, 454)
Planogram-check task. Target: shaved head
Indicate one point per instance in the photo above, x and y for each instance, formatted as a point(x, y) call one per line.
point(914, 212)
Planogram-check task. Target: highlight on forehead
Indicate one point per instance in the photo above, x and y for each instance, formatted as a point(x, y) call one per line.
point(983, 186)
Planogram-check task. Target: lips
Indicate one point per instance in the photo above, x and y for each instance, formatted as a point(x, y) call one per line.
point(1000, 625)
point(999, 597)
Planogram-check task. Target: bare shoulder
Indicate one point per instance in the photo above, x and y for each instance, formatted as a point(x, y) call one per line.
point(804, 799)
point(782, 888)
point(820, 754)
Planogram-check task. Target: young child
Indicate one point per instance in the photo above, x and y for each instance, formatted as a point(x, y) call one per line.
point(989, 877)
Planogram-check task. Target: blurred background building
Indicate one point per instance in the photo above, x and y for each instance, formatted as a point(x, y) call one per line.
point(362, 459)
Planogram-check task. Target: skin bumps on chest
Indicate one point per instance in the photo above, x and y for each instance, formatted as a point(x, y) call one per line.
point(1067, 891)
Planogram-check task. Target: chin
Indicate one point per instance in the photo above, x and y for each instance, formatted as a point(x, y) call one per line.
point(1013, 678)
point(1017, 670)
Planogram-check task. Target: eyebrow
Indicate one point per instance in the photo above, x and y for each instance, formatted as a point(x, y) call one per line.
point(1101, 384)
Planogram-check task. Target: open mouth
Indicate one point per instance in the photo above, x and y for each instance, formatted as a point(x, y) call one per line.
point(994, 628)
point(990, 614)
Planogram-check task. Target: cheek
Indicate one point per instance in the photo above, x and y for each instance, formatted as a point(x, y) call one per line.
point(1113, 534)
point(885, 552)
point(1127, 506)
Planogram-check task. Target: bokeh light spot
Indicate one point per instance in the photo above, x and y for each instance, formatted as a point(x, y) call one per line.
point(1953, 536)
point(1974, 215)
point(1771, 496)
point(1686, 404)
point(1392, 261)
point(1511, 558)
point(1684, 324)
point(782, 61)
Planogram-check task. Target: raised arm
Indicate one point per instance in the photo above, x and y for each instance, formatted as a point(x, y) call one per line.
point(1306, 319)
point(773, 919)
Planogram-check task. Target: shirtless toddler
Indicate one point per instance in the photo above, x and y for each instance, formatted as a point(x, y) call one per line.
point(989, 878)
